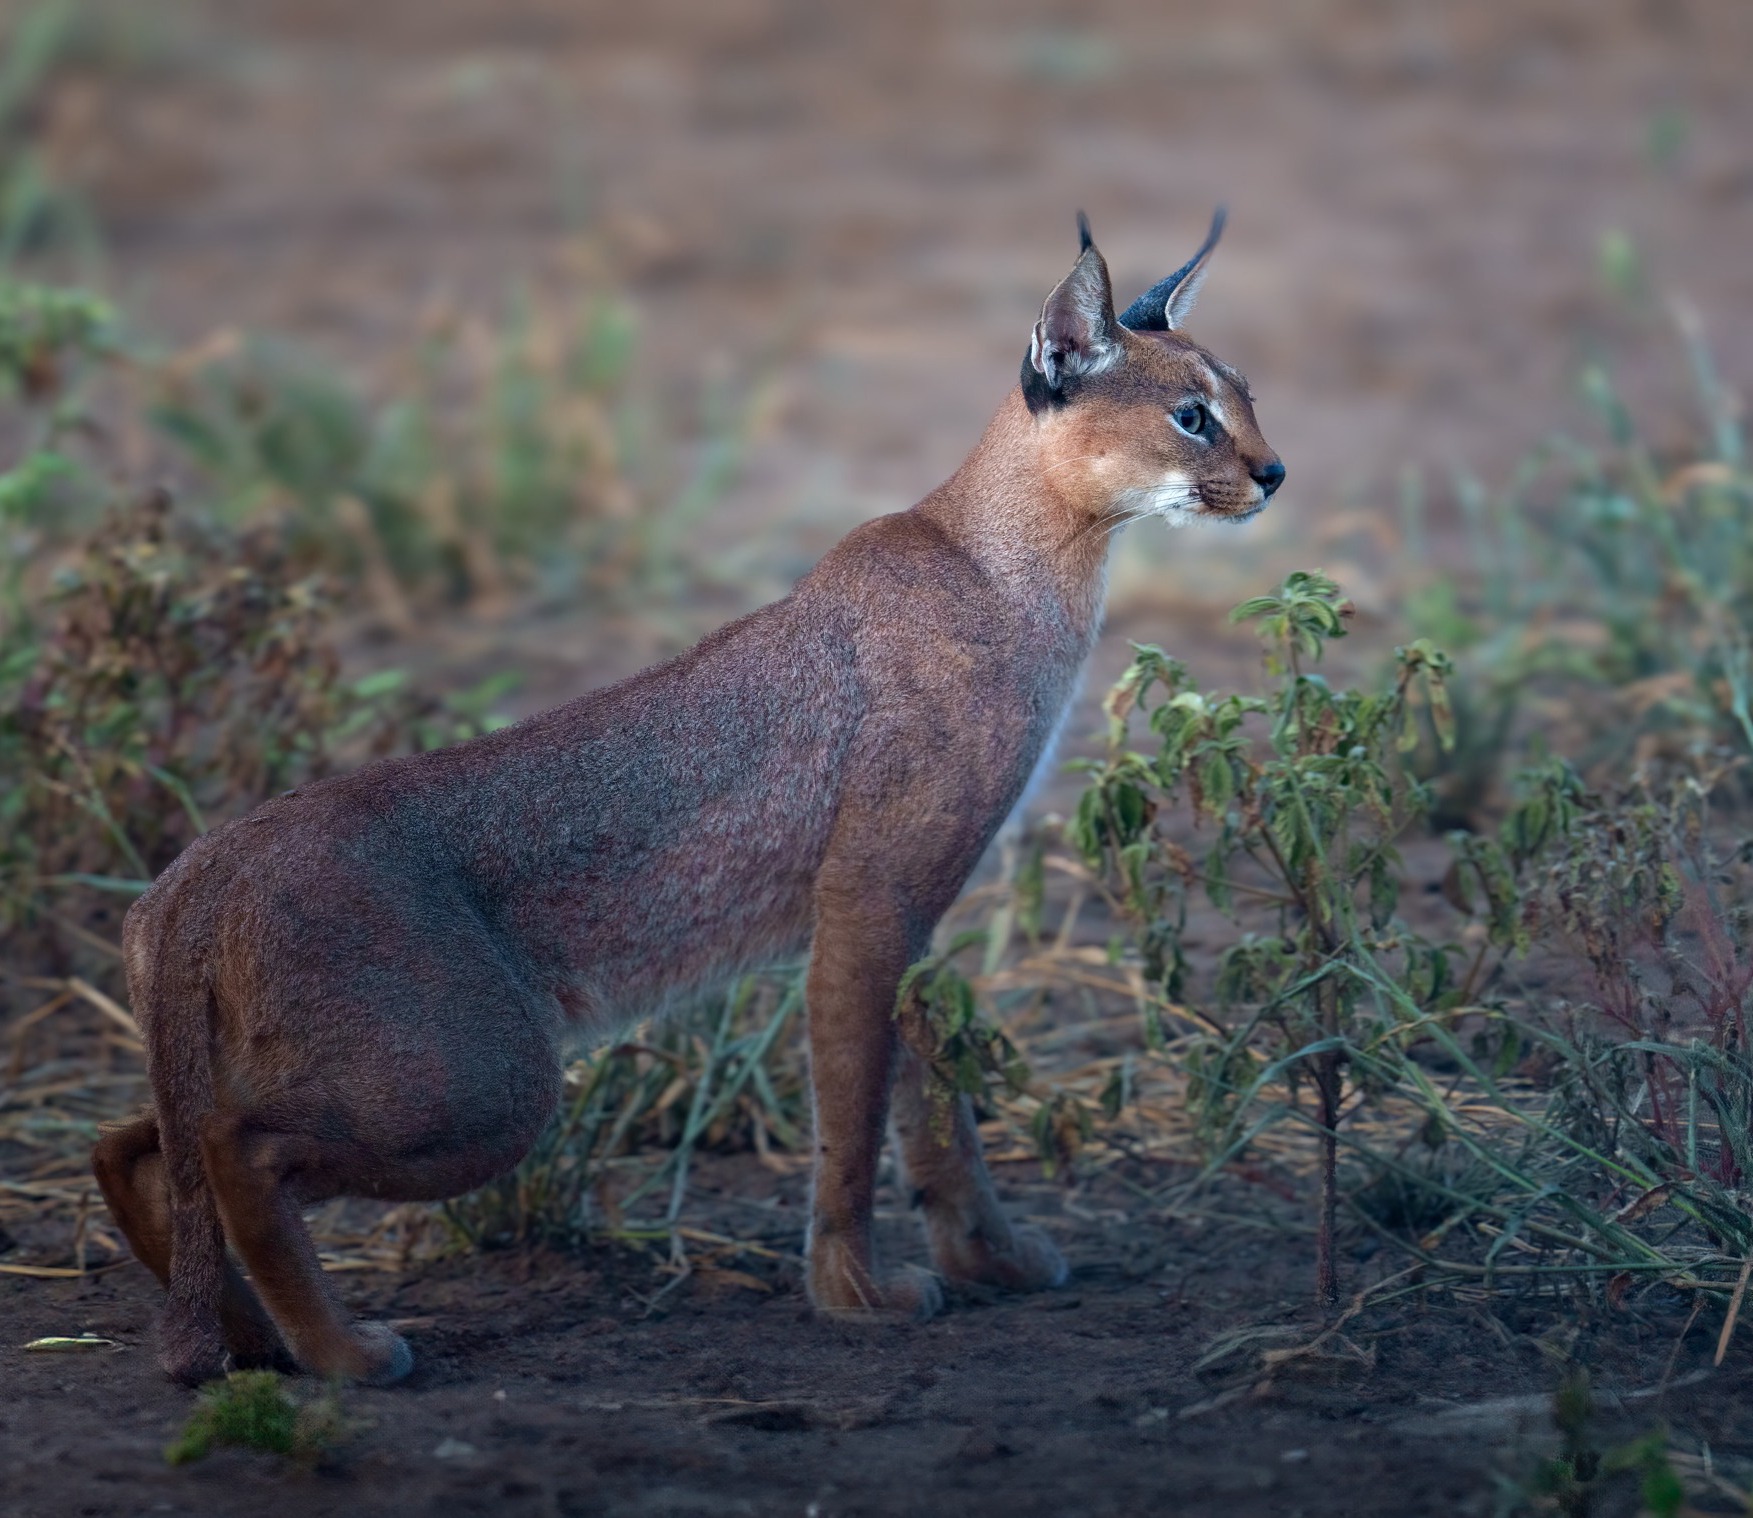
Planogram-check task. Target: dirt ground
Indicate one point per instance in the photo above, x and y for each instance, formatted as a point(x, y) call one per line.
point(550, 1385)
point(867, 203)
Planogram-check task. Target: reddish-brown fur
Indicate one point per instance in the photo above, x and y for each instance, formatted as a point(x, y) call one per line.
point(363, 987)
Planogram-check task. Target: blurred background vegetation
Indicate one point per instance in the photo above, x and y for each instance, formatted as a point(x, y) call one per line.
point(372, 376)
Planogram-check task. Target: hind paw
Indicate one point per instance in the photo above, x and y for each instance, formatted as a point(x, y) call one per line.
point(191, 1352)
point(1031, 1262)
point(852, 1295)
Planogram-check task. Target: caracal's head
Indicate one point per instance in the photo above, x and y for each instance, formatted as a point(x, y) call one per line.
point(1136, 419)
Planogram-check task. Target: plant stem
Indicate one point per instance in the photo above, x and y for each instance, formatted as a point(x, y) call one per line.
point(1327, 1083)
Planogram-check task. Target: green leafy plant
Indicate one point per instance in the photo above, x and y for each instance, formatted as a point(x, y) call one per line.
point(1624, 1158)
point(1610, 584)
point(44, 330)
point(50, 339)
point(968, 1053)
point(172, 677)
point(505, 463)
point(939, 1014)
point(1306, 817)
point(1573, 1480)
point(37, 41)
point(252, 1409)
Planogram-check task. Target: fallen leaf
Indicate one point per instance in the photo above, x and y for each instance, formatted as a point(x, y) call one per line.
point(59, 1345)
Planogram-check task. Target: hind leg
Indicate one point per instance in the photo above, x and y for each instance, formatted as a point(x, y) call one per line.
point(255, 1178)
point(265, 1166)
point(972, 1242)
point(130, 1173)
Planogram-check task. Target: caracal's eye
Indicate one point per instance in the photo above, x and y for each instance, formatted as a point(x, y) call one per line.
point(1189, 418)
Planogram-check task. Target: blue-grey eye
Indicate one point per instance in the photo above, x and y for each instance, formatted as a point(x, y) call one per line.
point(1190, 418)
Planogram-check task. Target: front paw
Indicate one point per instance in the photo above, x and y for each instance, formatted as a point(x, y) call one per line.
point(384, 1356)
point(1030, 1261)
point(371, 1354)
point(843, 1289)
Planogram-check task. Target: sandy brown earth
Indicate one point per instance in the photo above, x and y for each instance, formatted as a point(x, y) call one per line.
point(866, 204)
point(869, 202)
point(550, 1385)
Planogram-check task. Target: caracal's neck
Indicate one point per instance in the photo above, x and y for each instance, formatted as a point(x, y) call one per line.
point(1005, 507)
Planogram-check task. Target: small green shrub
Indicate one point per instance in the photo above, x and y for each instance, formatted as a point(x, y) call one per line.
point(1610, 589)
point(51, 341)
point(1306, 817)
point(1572, 1482)
point(44, 331)
point(37, 42)
point(1296, 803)
point(940, 1016)
point(970, 1054)
point(504, 464)
point(252, 1409)
point(172, 678)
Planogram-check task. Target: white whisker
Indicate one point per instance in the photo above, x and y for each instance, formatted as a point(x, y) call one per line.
point(1174, 499)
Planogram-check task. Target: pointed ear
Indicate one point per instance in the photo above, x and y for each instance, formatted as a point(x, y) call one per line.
point(1075, 334)
point(1164, 307)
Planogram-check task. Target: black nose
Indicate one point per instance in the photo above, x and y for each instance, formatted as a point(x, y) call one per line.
point(1269, 476)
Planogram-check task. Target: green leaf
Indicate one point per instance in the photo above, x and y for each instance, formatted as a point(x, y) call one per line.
point(1127, 808)
point(1217, 783)
point(379, 683)
point(1086, 831)
point(1384, 892)
point(24, 490)
point(1217, 885)
point(119, 885)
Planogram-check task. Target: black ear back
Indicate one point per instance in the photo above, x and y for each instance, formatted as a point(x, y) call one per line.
point(1165, 304)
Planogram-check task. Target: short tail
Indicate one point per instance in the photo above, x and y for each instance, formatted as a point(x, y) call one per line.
point(173, 1004)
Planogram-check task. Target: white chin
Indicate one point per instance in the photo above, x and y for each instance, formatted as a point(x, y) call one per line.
point(1174, 503)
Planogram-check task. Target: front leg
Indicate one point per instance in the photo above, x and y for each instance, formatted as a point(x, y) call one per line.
point(972, 1242)
point(860, 954)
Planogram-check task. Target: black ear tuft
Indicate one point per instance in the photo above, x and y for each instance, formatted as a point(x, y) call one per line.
point(1162, 306)
point(1084, 241)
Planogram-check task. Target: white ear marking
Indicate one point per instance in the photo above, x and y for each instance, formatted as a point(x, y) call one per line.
point(1181, 298)
point(1165, 305)
point(1075, 334)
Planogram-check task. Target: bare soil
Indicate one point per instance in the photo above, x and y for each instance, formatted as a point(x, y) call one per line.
point(868, 202)
point(554, 1385)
